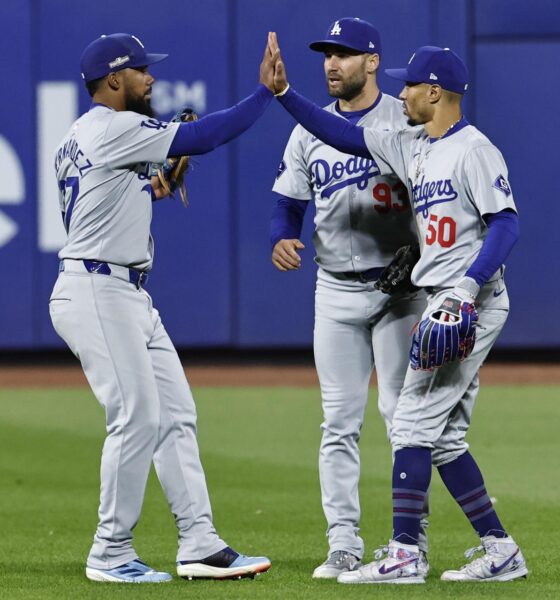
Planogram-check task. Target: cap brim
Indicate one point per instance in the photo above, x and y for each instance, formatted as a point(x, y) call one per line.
point(324, 45)
point(155, 58)
point(401, 74)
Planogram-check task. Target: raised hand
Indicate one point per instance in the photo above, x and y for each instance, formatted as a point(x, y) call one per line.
point(266, 73)
point(280, 80)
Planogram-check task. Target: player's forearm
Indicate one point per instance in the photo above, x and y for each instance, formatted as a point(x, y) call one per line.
point(503, 233)
point(215, 129)
point(332, 130)
point(286, 221)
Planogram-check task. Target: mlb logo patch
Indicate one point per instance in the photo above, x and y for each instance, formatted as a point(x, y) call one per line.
point(502, 184)
point(281, 169)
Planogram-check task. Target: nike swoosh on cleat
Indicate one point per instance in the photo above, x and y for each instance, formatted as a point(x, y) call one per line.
point(383, 570)
point(496, 569)
point(496, 293)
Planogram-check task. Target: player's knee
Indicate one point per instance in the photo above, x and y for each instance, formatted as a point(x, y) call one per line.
point(442, 456)
point(139, 426)
point(335, 428)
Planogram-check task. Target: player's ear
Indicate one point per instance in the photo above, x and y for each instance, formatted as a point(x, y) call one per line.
point(113, 81)
point(372, 63)
point(434, 94)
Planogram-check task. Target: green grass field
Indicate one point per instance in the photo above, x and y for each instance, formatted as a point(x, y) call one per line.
point(259, 448)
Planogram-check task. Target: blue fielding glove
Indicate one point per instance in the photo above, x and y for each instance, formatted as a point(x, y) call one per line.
point(447, 334)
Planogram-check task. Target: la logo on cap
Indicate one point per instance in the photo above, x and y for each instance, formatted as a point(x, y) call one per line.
point(336, 30)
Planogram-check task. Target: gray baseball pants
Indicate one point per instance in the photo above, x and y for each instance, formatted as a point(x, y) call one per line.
point(136, 375)
point(355, 326)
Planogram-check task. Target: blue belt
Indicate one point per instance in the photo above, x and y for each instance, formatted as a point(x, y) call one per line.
point(138, 278)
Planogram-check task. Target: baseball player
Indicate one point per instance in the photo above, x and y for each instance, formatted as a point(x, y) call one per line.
point(467, 224)
point(100, 308)
point(362, 218)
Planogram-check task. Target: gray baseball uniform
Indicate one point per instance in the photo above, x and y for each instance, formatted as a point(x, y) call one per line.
point(452, 182)
point(362, 218)
point(103, 171)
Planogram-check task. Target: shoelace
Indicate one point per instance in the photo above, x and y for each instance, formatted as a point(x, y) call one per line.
point(380, 552)
point(472, 551)
point(473, 566)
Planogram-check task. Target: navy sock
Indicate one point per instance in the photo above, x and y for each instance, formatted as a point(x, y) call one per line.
point(464, 480)
point(412, 471)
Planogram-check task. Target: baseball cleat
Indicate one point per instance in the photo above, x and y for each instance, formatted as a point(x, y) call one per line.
point(134, 571)
point(225, 564)
point(337, 562)
point(502, 561)
point(396, 563)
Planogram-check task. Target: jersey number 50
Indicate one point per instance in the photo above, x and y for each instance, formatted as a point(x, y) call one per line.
point(442, 230)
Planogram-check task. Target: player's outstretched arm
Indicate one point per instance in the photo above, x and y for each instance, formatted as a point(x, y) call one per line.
point(285, 256)
point(215, 129)
point(329, 128)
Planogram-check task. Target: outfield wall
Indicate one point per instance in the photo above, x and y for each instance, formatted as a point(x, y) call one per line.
point(213, 280)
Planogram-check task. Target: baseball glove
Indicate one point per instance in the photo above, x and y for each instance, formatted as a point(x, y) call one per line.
point(171, 173)
point(447, 334)
point(395, 278)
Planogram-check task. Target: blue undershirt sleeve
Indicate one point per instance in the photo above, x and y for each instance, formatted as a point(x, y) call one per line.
point(215, 129)
point(334, 131)
point(503, 233)
point(286, 221)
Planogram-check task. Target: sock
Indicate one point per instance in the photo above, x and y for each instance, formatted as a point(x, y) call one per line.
point(463, 479)
point(412, 471)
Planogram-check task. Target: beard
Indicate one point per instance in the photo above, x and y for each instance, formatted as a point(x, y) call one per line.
point(139, 105)
point(349, 89)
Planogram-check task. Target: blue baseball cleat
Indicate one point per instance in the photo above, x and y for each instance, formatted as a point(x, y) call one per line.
point(225, 564)
point(134, 571)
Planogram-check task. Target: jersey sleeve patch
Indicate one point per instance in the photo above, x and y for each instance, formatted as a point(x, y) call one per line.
point(281, 169)
point(502, 184)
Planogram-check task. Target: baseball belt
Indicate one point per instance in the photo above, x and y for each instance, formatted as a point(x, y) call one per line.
point(137, 278)
point(362, 276)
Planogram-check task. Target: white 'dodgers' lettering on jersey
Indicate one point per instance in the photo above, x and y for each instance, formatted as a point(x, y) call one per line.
point(427, 193)
point(323, 174)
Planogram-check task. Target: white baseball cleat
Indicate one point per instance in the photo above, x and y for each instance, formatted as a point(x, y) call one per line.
point(502, 561)
point(134, 571)
point(337, 562)
point(225, 564)
point(395, 563)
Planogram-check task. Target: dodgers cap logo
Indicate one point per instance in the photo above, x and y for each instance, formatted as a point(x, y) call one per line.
point(353, 33)
point(110, 53)
point(435, 65)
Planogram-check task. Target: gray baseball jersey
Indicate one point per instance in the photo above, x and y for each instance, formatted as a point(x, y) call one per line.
point(103, 172)
point(452, 182)
point(362, 216)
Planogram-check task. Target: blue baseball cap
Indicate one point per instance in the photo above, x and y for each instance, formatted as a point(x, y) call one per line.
point(438, 66)
point(352, 33)
point(110, 53)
